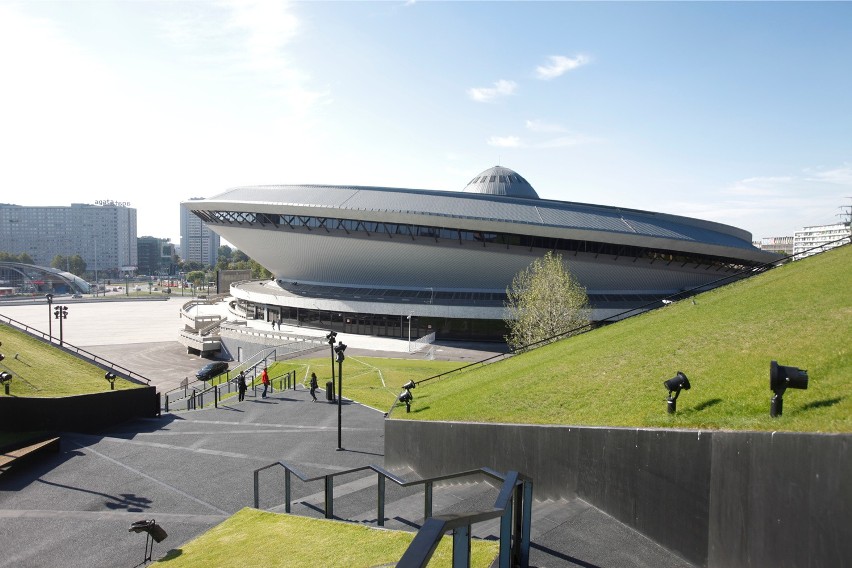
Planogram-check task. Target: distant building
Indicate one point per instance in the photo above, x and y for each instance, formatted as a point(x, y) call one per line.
point(103, 235)
point(197, 242)
point(155, 256)
point(811, 240)
point(782, 245)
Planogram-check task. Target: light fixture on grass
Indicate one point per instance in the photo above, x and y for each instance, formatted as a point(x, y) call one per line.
point(111, 378)
point(782, 378)
point(674, 385)
point(153, 532)
point(406, 398)
point(5, 378)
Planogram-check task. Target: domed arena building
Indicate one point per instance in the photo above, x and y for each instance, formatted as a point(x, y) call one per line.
point(375, 260)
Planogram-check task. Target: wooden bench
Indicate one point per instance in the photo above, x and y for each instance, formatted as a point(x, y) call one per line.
point(9, 457)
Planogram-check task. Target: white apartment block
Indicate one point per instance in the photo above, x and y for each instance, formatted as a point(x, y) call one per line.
point(812, 240)
point(104, 235)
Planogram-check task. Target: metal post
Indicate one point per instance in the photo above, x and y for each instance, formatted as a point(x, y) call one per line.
point(216, 396)
point(340, 405)
point(461, 547)
point(329, 497)
point(287, 491)
point(427, 499)
point(526, 524)
point(49, 298)
point(257, 490)
point(380, 500)
point(505, 556)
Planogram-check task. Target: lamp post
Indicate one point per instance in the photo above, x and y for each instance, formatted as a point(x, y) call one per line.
point(340, 357)
point(330, 338)
point(409, 332)
point(49, 298)
point(60, 313)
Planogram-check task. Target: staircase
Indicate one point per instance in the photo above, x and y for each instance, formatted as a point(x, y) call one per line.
point(563, 533)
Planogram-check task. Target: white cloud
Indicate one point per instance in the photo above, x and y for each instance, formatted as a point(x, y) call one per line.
point(505, 141)
point(839, 176)
point(559, 65)
point(541, 126)
point(501, 88)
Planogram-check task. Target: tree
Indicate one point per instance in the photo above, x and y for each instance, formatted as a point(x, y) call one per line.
point(76, 265)
point(545, 302)
point(58, 262)
point(239, 256)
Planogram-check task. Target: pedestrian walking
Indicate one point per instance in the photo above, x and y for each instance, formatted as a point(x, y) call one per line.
point(279, 325)
point(264, 378)
point(242, 386)
point(314, 386)
point(273, 325)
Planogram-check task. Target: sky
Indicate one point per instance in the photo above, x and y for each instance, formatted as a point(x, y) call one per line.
point(739, 113)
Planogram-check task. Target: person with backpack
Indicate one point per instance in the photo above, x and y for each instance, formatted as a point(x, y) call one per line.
point(242, 386)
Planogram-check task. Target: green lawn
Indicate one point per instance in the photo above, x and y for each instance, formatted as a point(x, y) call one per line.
point(42, 370)
point(799, 314)
point(373, 381)
point(259, 538)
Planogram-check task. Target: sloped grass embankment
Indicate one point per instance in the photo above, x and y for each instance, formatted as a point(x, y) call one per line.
point(799, 315)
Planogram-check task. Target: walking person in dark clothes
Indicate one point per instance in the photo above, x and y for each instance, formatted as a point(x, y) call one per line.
point(242, 386)
point(314, 386)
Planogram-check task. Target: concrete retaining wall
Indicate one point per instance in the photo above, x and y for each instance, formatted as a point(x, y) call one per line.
point(718, 499)
point(81, 413)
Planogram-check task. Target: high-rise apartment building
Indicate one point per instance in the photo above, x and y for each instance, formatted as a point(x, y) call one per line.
point(811, 240)
point(104, 235)
point(197, 242)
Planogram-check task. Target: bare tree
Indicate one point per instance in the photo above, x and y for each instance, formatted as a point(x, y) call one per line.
point(545, 302)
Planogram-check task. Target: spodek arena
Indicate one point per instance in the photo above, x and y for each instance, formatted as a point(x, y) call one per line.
point(373, 260)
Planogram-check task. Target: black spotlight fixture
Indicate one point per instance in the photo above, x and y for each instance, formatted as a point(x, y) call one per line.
point(153, 531)
point(406, 395)
point(5, 378)
point(330, 339)
point(406, 398)
point(782, 378)
point(674, 385)
point(111, 378)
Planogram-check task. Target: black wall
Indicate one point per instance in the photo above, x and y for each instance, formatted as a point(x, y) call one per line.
point(718, 499)
point(81, 413)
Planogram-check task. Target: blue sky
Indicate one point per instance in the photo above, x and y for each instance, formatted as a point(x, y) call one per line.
point(739, 113)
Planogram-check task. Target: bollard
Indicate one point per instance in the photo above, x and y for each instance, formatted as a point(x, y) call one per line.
point(167, 402)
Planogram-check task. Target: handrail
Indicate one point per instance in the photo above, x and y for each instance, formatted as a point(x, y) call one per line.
point(517, 550)
point(95, 359)
point(513, 504)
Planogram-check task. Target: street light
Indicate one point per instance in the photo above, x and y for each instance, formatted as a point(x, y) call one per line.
point(330, 338)
point(409, 332)
point(60, 313)
point(340, 357)
point(49, 298)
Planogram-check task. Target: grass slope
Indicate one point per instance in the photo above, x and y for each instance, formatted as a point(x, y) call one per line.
point(42, 370)
point(799, 314)
point(258, 538)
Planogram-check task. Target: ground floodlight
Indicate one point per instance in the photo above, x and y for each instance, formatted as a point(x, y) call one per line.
point(111, 378)
point(674, 385)
point(406, 398)
point(782, 378)
point(2, 356)
point(5, 377)
point(153, 531)
point(409, 385)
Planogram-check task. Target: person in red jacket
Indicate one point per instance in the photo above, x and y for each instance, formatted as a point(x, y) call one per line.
point(264, 378)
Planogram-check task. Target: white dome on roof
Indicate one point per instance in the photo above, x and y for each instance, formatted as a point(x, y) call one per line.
point(501, 181)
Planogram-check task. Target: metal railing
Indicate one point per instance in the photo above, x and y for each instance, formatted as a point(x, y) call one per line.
point(119, 370)
point(513, 506)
